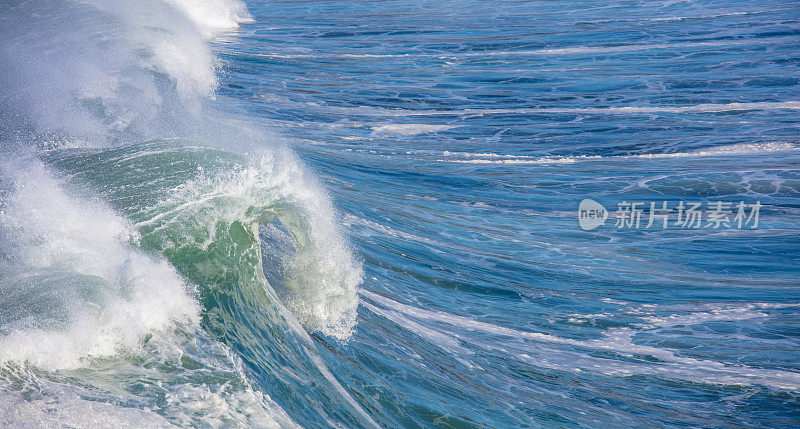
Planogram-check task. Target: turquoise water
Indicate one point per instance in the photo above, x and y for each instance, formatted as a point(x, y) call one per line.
point(361, 214)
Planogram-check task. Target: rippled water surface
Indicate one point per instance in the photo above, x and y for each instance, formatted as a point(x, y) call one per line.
point(458, 137)
point(421, 264)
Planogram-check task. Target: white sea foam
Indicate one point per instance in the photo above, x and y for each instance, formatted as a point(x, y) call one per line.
point(611, 110)
point(219, 408)
point(386, 230)
point(703, 108)
point(213, 16)
point(62, 408)
point(737, 149)
point(728, 150)
point(102, 294)
point(192, 398)
point(677, 18)
point(527, 160)
point(410, 129)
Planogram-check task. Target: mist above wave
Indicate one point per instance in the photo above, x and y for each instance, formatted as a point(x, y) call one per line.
point(93, 72)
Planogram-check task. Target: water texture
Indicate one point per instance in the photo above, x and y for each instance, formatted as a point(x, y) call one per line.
point(365, 214)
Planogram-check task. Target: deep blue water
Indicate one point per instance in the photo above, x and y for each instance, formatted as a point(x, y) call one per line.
point(423, 262)
point(484, 304)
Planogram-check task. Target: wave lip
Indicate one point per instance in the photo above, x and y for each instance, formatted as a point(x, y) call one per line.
point(321, 278)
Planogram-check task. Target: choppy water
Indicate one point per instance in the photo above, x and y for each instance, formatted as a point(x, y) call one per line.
point(362, 214)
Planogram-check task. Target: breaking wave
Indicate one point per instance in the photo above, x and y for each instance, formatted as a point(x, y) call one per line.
point(138, 237)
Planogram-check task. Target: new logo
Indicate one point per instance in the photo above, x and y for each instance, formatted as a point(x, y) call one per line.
point(591, 214)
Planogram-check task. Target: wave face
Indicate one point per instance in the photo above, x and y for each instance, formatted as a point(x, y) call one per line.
point(350, 214)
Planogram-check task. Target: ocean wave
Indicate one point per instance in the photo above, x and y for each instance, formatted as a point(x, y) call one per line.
point(130, 259)
point(204, 210)
point(79, 296)
point(321, 278)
